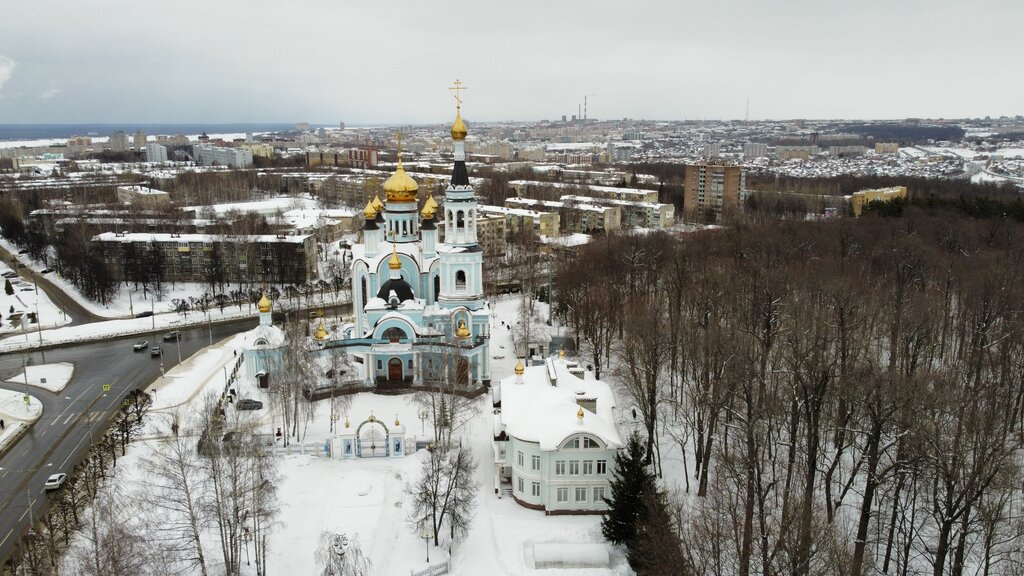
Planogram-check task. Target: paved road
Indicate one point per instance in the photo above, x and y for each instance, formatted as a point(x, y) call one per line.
point(61, 437)
point(79, 315)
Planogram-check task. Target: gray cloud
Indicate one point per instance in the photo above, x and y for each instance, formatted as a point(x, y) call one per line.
point(6, 69)
point(324, 61)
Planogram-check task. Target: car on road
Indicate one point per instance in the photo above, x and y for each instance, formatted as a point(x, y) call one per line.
point(55, 481)
point(140, 345)
point(172, 335)
point(25, 251)
point(10, 274)
point(248, 404)
point(155, 351)
point(46, 270)
point(145, 314)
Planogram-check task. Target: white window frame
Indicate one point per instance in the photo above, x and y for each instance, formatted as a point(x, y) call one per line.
point(519, 485)
point(602, 466)
point(599, 494)
point(519, 457)
point(588, 467)
point(581, 490)
point(559, 467)
point(574, 467)
point(535, 489)
point(535, 462)
point(562, 495)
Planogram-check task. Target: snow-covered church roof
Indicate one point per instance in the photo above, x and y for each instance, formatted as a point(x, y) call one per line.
point(263, 338)
point(544, 406)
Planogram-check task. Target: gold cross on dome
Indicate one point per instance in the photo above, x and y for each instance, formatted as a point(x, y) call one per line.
point(457, 88)
point(398, 135)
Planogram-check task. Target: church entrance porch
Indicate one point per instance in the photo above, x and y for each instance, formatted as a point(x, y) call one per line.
point(395, 370)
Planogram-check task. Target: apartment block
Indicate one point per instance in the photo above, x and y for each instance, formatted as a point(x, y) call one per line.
point(711, 190)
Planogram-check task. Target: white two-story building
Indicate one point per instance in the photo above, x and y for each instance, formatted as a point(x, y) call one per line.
point(554, 438)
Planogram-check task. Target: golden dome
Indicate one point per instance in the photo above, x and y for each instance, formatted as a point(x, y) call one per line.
point(265, 304)
point(429, 207)
point(463, 331)
point(321, 332)
point(346, 421)
point(377, 204)
point(579, 413)
point(394, 263)
point(370, 212)
point(459, 127)
point(520, 368)
point(397, 423)
point(400, 187)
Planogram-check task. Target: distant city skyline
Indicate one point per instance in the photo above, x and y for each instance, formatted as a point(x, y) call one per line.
point(322, 62)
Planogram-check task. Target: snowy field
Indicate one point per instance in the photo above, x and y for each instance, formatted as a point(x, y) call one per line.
point(51, 377)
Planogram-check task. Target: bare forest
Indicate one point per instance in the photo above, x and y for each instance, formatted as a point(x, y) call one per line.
point(821, 398)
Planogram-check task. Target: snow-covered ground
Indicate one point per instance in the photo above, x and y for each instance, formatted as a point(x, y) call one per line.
point(52, 377)
point(27, 299)
point(17, 415)
point(369, 498)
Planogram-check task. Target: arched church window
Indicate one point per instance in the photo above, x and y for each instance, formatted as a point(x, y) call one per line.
point(394, 335)
point(437, 287)
point(460, 219)
point(363, 291)
point(460, 280)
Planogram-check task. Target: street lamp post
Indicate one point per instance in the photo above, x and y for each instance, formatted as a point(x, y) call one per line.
point(426, 534)
point(177, 341)
point(39, 322)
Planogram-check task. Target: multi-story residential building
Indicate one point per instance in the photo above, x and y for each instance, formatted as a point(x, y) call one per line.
point(712, 150)
point(518, 220)
point(796, 152)
point(859, 199)
point(491, 233)
point(846, 151)
point(143, 196)
point(634, 214)
point(209, 155)
point(261, 150)
point(755, 150)
point(528, 188)
point(886, 147)
point(139, 140)
point(586, 218)
point(156, 153)
point(268, 258)
point(362, 157)
point(118, 142)
point(711, 190)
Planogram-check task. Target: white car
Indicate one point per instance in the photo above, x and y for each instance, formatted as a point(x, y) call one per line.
point(55, 481)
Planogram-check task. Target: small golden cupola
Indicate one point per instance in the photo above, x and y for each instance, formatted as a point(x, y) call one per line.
point(463, 330)
point(579, 414)
point(321, 332)
point(459, 130)
point(429, 207)
point(520, 368)
point(377, 204)
point(265, 304)
point(400, 187)
point(394, 263)
point(369, 212)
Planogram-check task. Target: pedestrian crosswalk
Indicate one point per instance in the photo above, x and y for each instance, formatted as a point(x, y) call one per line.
point(90, 416)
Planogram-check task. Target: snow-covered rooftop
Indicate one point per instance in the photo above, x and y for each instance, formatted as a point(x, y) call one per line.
point(543, 408)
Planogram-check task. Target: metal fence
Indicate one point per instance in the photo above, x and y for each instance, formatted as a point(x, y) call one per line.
point(432, 570)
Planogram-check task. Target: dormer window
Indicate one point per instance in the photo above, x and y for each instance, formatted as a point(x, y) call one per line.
point(460, 280)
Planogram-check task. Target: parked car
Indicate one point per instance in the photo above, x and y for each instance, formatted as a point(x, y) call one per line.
point(154, 351)
point(145, 314)
point(27, 289)
point(172, 335)
point(55, 481)
point(25, 251)
point(10, 274)
point(248, 404)
point(46, 270)
point(140, 345)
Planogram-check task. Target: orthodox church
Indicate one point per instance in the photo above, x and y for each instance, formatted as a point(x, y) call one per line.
point(420, 313)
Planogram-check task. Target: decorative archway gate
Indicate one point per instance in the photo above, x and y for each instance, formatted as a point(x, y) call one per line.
point(373, 439)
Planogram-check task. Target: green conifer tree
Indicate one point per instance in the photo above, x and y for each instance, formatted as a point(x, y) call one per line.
point(655, 549)
point(8, 288)
point(626, 502)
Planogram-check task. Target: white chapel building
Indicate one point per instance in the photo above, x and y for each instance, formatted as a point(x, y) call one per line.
point(554, 438)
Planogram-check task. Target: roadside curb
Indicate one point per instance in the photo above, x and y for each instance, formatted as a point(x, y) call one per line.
point(9, 442)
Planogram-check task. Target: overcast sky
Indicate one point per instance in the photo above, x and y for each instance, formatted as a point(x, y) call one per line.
point(324, 61)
